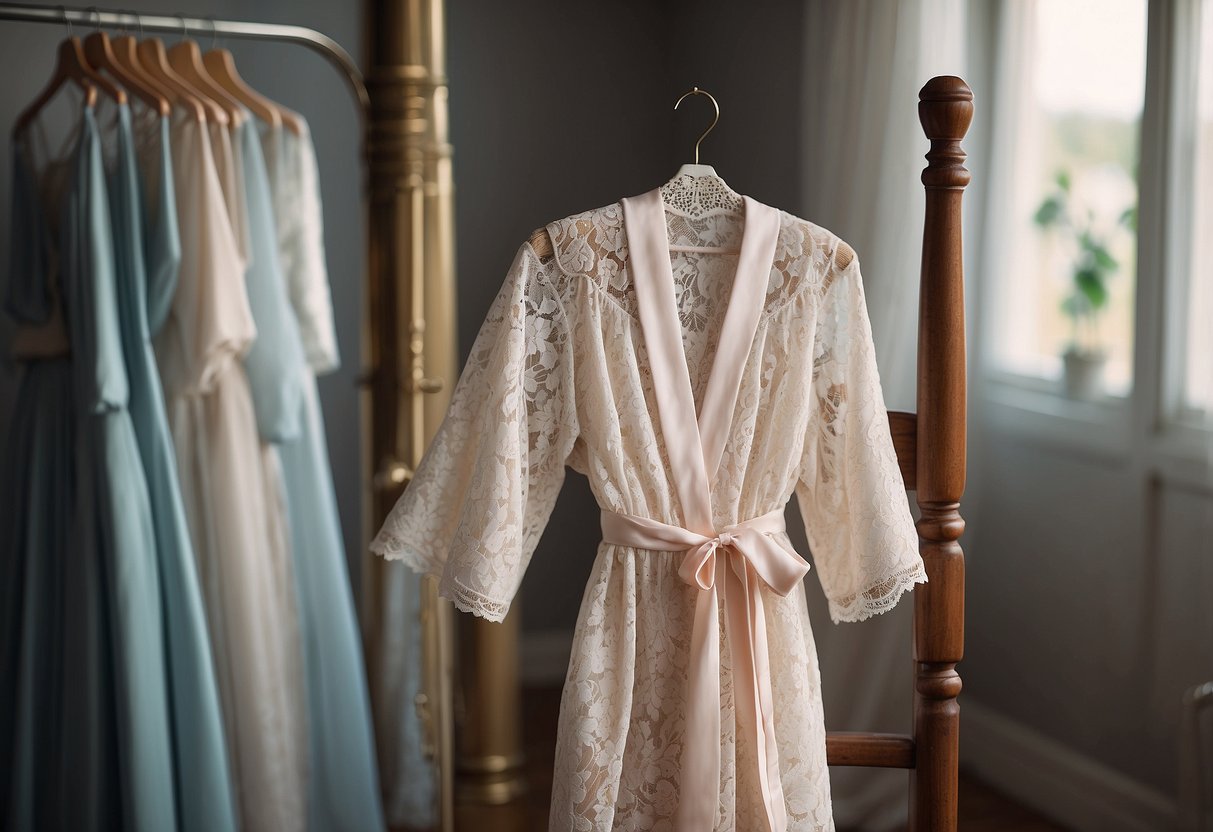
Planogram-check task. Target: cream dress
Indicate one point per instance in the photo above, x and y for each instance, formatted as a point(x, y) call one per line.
point(599, 358)
point(230, 484)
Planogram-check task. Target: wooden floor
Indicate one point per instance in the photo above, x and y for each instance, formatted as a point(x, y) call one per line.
point(982, 808)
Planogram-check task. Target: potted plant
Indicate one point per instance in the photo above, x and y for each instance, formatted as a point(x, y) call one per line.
point(1091, 270)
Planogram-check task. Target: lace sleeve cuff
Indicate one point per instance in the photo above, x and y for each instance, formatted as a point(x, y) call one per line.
point(880, 597)
point(450, 587)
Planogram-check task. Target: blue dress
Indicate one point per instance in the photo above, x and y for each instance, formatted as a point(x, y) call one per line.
point(85, 742)
point(147, 253)
point(343, 785)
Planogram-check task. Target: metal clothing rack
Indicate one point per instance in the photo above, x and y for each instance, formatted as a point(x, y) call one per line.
point(201, 27)
point(408, 216)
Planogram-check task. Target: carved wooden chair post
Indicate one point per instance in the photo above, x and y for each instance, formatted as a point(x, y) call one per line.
point(931, 452)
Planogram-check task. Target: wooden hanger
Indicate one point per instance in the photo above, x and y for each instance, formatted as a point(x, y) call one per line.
point(154, 58)
point(186, 58)
point(100, 54)
point(222, 68)
point(70, 65)
point(126, 54)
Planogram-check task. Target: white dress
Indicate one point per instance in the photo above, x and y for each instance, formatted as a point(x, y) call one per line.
point(599, 358)
point(295, 177)
point(231, 492)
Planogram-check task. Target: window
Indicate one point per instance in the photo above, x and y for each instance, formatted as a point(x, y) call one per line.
point(1198, 355)
point(1065, 286)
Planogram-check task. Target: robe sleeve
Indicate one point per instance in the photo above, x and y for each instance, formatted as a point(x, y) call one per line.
point(850, 490)
point(486, 485)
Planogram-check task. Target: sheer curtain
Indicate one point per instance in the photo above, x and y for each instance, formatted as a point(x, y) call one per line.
point(865, 62)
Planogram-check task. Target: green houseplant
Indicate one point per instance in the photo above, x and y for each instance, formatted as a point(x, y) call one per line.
point(1092, 269)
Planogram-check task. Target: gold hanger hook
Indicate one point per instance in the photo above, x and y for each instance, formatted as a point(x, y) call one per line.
point(703, 135)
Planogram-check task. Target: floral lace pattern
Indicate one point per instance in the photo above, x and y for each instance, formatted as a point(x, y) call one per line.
point(559, 377)
point(697, 196)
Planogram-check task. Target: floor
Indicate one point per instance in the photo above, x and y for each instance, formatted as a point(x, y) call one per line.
point(982, 808)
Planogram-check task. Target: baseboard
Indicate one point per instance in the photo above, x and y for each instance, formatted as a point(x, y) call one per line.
point(1054, 779)
point(544, 657)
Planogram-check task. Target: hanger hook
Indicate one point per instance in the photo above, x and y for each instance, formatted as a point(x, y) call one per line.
point(703, 135)
point(67, 20)
point(184, 32)
point(93, 10)
point(214, 31)
point(138, 22)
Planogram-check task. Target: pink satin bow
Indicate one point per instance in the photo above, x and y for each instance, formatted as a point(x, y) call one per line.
point(730, 565)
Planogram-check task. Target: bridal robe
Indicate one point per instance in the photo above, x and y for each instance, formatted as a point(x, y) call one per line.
point(697, 391)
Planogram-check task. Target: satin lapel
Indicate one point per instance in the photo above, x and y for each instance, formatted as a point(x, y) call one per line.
point(737, 332)
point(653, 280)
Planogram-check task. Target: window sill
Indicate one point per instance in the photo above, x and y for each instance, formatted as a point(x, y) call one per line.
point(1034, 409)
point(1182, 454)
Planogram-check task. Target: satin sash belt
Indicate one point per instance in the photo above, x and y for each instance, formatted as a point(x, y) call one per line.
point(747, 555)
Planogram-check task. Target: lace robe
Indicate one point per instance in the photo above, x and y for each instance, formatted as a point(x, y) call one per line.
point(562, 374)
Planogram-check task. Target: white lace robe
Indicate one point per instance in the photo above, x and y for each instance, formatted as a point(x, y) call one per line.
point(559, 376)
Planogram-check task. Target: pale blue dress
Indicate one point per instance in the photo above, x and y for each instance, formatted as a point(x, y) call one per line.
point(344, 788)
point(147, 253)
point(85, 741)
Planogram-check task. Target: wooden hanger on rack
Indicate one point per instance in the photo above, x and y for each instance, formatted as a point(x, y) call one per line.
point(186, 58)
point(70, 65)
point(126, 52)
point(100, 54)
point(222, 68)
point(154, 58)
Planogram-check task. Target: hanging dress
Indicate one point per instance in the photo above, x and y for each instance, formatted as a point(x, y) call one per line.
point(229, 487)
point(147, 255)
point(284, 210)
point(697, 391)
point(85, 740)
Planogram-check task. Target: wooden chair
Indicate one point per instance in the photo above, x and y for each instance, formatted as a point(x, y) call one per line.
point(931, 452)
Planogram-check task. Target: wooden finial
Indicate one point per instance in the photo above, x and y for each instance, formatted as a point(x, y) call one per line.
point(945, 109)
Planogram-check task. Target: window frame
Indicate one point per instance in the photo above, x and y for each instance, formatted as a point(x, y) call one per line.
point(1149, 423)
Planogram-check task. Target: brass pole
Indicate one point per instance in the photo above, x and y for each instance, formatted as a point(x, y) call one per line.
point(490, 737)
point(412, 364)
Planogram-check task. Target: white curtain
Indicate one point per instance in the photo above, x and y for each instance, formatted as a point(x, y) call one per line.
point(865, 62)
